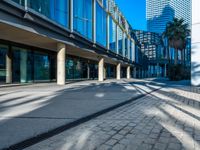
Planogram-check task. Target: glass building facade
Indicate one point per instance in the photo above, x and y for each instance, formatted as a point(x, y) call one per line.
point(101, 24)
point(97, 21)
point(112, 35)
point(82, 14)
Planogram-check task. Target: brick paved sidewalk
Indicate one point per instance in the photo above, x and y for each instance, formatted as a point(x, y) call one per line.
point(29, 111)
point(168, 119)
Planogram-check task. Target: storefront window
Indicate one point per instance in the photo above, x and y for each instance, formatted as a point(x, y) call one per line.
point(41, 67)
point(83, 17)
point(22, 65)
point(110, 71)
point(100, 25)
point(93, 70)
point(123, 72)
point(3, 52)
point(76, 68)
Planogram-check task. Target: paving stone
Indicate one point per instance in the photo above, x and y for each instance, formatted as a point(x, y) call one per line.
point(144, 147)
point(111, 142)
point(119, 147)
point(174, 146)
point(118, 136)
point(150, 122)
point(160, 146)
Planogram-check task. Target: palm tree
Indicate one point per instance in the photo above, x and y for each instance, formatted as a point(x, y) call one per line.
point(176, 33)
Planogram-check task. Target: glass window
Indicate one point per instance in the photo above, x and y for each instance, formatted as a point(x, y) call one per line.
point(123, 72)
point(56, 10)
point(93, 70)
point(83, 17)
point(41, 67)
point(22, 65)
point(100, 25)
point(76, 68)
point(69, 68)
point(120, 41)
point(110, 71)
point(131, 51)
point(126, 47)
point(112, 31)
point(21, 2)
point(3, 52)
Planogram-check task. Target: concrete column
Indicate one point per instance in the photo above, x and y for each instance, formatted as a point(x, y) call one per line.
point(23, 66)
point(9, 66)
point(195, 52)
point(61, 48)
point(128, 72)
point(118, 70)
point(101, 69)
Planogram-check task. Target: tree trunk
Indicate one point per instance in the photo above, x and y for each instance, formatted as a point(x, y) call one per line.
point(176, 56)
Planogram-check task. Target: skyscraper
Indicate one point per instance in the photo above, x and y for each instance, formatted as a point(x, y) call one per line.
point(160, 12)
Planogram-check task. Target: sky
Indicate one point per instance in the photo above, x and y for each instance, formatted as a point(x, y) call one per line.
point(134, 11)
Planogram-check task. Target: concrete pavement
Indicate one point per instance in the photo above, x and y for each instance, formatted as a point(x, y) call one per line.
point(28, 111)
point(167, 119)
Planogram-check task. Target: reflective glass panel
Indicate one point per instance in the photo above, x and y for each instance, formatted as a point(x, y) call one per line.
point(100, 25)
point(83, 17)
point(3, 52)
point(57, 10)
point(112, 35)
point(22, 65)
point(21, 2)
point(41, 67)
point(120, 41)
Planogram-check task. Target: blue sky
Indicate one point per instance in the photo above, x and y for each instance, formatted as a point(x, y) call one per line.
point(134, 11)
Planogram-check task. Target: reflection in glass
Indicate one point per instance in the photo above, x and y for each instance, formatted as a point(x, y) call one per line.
point(22, 65)
point(83, 17)
point(21, 2)
point(110, 71)
point(112, 35)
point(3, 52)
point(123, 72)
point(120, 41)
point(57, 10)
point(76, 68)
point(41, 67)
point(100, 25)
point(130, 50)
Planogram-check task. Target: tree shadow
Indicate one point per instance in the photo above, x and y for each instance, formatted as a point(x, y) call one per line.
point(42, 109)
